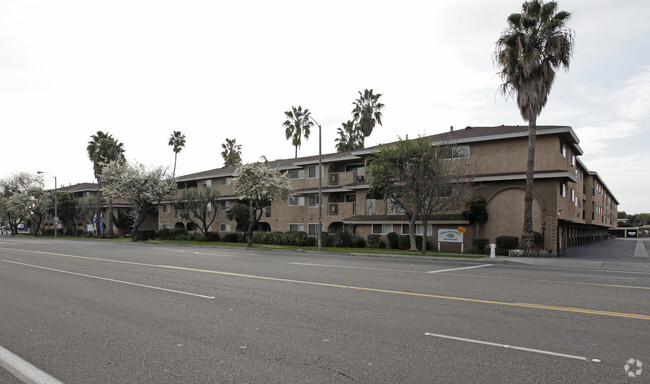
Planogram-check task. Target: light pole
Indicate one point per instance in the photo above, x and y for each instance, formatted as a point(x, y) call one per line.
point(56, 213)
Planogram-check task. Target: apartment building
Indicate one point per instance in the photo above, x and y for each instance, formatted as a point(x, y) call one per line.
point(572, 205)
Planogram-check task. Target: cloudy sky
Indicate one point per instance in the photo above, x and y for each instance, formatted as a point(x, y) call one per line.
point(217, 70)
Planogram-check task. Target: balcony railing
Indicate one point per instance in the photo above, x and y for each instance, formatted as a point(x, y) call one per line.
point(333, 209)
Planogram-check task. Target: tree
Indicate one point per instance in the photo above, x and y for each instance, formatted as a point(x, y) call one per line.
point(297, 125)
point(367, 112)
point(240, 214)
point(476, 212)
point(66, 207)
point(11, 208)
point(102, 149)
point(35, 203)
point(231, 153)
point(177, 142)
point(350, 137)
point(198, 206)
point(259, 185)
point(419, 178)
point(144, 187)
point(535, 44)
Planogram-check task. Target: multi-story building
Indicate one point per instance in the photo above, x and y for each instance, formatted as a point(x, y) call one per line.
point(572, 205)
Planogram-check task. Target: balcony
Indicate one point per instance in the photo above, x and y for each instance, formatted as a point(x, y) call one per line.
point(341, 209)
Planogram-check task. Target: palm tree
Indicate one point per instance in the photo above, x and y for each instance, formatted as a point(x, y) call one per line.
point(231, 153)
point(350, 137)
point(367, 112)
point(102, 149)
point(535, 44)
point(297, 125)
point(177, 141)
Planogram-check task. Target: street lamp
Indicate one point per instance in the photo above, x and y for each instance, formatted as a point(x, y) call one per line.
point(320, 181)
point(56, 213)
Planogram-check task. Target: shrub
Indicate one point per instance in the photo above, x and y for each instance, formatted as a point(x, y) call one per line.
point(537, 238)
point(173, 233)
point(393, 240)
point(327, 240)
point(506, 243)
point(212, 236)
point(404, 242)
point(373, 241)
point(360, 242)
point(343, 239)
point(230, 237)
point(382, 244)
point(163, 234)
point(146, 234)
point(311, 241)
point(481, 245)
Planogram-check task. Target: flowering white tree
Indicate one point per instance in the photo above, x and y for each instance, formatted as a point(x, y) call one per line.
point(144, 187)
point(259, 185)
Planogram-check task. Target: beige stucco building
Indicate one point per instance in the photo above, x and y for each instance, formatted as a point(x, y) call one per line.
point(572, 205)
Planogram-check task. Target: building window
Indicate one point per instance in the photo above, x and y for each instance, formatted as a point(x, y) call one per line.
point(419, 229)
point(226, 181)
point(224, 227)
point(573, 195)
point(313, 229)
point(166, 208)
point(313, 171)
point(313, 200)
point(382, 229)
point(563, 190)
point(573, 160)
point(297, 201)
point(562, 149)
point(454, 152)
point(296, 174)
point(207, 183)
point(297, 227)
point(166, 226)
point(224, 205)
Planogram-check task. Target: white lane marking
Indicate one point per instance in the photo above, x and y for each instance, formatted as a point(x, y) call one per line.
point(458, 269)
point(214, 254)
point(23, 370)
point(112, 280)
point(512, 347)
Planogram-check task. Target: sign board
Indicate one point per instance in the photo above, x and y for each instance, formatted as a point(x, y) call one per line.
point(450, 236)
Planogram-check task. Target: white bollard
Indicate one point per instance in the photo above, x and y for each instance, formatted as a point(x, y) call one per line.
point(493, 253)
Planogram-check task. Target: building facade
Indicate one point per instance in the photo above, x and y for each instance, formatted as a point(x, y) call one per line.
point(572, 205)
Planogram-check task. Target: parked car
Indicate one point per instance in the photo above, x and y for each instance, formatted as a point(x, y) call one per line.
point(23, 227)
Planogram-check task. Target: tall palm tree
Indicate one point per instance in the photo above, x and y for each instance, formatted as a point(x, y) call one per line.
point(297, 125)
point(102, 149)
point(231, 153)
point(350, 137)
point(536, 43)
point(367, 112)
point(177, 142)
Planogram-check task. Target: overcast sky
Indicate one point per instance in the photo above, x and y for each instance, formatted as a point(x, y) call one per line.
point(217, 70)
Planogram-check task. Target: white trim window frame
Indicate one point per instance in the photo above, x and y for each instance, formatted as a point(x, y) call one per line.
point(312, 200)
point(296, 227)
point(312, 171)
point(224, 227)
point(166, 208)
point(381, 229)
point(297, 201)
point(312, 229)
point(296, 174)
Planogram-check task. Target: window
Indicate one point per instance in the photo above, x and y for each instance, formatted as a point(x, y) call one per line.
point(381, 229)
point(207, 183)
point(573, 195)
point(226, 181)
point(563, 190)
point(224, 227)
point(224, 205)
point(562, 149)
point(313, 200)
point(419, 229)
point(313, 171)
point(297, 174)
point(296, 201)
point(298, 227)
point(313, 229)
point(166, 208)
point(573, 160)
point(350, 197)
point(454, 152)
point(166, 226)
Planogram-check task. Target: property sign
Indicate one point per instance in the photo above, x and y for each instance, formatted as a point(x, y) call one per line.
point(450, 236)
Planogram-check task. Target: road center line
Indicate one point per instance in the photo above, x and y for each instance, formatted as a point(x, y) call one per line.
point(319, 284)
point(512, 347)
point(458, 269)
point(111, 280)
point(24, 370)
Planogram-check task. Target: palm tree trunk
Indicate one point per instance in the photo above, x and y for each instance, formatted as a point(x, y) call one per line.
point(527, 236)
point(175, 156)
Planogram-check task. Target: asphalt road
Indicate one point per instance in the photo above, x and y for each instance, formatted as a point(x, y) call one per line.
point(107, 312)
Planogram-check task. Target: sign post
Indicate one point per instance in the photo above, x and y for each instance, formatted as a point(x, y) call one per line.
point(452, 236)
